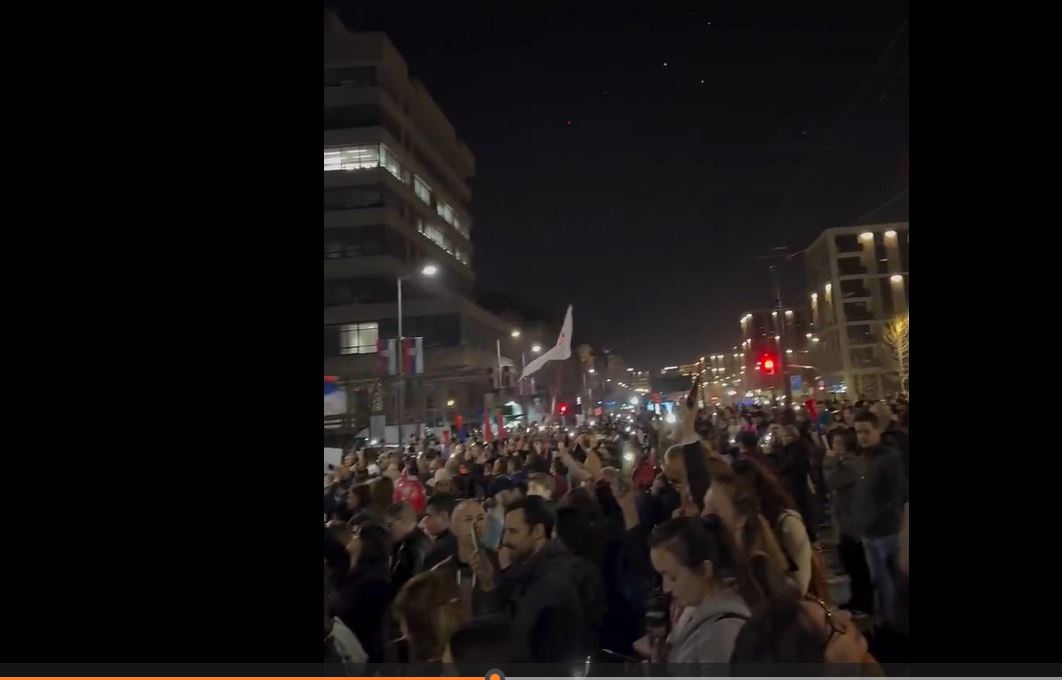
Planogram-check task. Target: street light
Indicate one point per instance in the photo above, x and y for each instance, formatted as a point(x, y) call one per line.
point(591, 371)
point(536, 348)
point(450, 403)
point(427, 270)
point(515, 333)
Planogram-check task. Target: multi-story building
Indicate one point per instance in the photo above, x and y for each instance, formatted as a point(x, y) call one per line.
point(857, 279)
point(641, 381)
point(396, 204)
point(767, 337)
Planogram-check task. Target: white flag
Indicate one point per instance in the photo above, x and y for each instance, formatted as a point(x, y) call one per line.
point(562, 350)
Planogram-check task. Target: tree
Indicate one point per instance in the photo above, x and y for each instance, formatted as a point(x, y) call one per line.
point(897, 339)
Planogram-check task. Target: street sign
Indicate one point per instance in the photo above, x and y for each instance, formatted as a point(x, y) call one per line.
point(796, 383)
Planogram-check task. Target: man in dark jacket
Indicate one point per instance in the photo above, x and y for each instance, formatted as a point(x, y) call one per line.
point(468, 518)
point(878, 508)
point(539, 590)
point(437, 527)
point(893, 435)
point(794, 471)
point(843, 468)
point(410, 544)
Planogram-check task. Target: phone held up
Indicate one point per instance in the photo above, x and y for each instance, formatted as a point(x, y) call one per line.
point(691, 398)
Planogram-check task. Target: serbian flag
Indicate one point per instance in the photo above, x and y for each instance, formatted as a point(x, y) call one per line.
point(335, 397)
point(488, 435)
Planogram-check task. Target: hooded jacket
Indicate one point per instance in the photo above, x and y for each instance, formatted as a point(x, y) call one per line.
point(706, 633)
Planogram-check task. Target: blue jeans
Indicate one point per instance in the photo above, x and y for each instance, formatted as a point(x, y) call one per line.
point(882, 558)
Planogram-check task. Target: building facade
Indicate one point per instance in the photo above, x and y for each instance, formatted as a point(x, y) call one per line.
point(396, 201)
point(857, 279)
point(774, 346)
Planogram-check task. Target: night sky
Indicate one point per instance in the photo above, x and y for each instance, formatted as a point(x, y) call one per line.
point(633, 163)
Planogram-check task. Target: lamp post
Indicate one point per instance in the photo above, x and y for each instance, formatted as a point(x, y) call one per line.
point(429, 270)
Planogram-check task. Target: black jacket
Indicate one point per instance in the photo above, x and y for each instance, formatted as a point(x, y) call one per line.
point(879, 494)
point(362, 600)
point(898, 439)
point(542, 600)
point(463, 578)
point(407, 558)
point(793, 471)
point(444, 546)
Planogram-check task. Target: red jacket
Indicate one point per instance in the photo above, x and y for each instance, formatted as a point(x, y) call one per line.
point(645, 474)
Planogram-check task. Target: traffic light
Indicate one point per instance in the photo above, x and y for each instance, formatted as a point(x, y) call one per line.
point(768, 364)
point(562, 408)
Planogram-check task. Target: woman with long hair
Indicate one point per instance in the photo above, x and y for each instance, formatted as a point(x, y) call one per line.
point(752, 503)
point(704, 573)
point(801, 631)
point(364, 592)
point(429, 611)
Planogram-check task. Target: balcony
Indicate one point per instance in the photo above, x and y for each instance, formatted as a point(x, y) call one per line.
point(361, 217)
point(376, 265)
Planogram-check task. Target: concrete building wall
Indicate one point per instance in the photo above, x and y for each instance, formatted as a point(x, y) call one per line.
point(857, 279)
point(396, 198)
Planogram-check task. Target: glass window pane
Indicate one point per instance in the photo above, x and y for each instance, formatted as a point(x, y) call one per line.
point(390, 162)
point(445, 211)
point(421, 190)
point(368, 336)
point(331, 160)
point(360, 157)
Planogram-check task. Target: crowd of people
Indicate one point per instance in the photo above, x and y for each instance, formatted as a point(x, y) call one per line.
point(589, 548)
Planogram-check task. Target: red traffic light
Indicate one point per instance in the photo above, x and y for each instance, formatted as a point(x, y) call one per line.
point(562, 408)
point(768, 365)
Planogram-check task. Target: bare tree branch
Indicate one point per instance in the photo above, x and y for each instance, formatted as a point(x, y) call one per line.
point(896, 337)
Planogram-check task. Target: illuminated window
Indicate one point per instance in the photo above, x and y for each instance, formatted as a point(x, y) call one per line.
point(446, 211)
point(364, 157)
point(421, 190)
point(352, 157)
point(461, 227)
point(358, 338)
point(462, 257)
point(389, 161)
point(435, 235)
